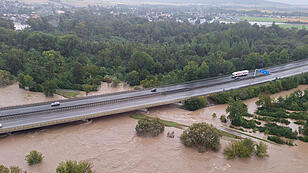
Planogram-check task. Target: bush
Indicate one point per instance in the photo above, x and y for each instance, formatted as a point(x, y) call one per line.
point(152, 127)
point(304, 139)
point(276, 139)
point(261, 150)
point(202, 136)
point(75, 167)
point(195, 103)
point(13, 169)
point(214, 115)
point(223, 119)
point(4, 169)
point(241, 149)
point(274, 129)
point(34, 157)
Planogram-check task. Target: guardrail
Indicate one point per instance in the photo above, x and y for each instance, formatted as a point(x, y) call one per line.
point(144, 95)
point(132, 108)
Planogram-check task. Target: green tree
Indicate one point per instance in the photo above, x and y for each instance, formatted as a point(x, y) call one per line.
point(34, 157)
point(191, 71)
point(201, 136)
point(87, 88)
point(75, 167)
point(132, 78)
point(151, 127)
point(203, 70)
point(78, 73)
point(236, 109)
point(195, 103)
point(49, 88)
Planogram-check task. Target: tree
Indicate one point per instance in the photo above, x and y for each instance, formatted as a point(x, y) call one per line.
point(242, 149)
point(152, 127)
point(261, 150)
point(5, 23)
point(78, 73)
point(264, 101)
point(236, 109)
point(132, 78)
point(195, 103)
point(87, 88)
point(201, 136)
point(191, 71)
point(49, 88)
point(305, 132)
point(75, 167)
point(34, 157)
point(203, 70)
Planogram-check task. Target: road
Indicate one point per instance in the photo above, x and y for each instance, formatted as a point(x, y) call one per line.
point(15, 119)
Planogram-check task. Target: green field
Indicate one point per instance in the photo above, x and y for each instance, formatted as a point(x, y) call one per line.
point(290, 26)
point(67, 94)
point(262, 19)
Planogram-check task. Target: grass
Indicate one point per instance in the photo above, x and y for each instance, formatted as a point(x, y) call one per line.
point(178, 125)
point(262, 19)
point(165, 122)
point(67, 94)
point(290, 26)
point(264, 140)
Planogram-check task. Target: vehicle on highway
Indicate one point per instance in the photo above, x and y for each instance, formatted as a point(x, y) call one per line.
point(153, 90)
point(238, 74)
point(0, 125)
point(55, 104)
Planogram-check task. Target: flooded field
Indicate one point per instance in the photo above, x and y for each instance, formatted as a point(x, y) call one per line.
point(13, 95)
point(112, 145)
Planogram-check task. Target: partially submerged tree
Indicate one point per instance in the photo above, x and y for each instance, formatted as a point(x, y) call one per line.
point(202, 136)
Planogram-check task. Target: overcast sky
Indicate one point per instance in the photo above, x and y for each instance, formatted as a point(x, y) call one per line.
point(296, 2)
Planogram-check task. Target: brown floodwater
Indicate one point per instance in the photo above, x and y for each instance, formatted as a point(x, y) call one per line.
point(12, 95)
point(111, 144)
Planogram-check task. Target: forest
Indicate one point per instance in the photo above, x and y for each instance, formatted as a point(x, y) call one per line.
point(78, 50)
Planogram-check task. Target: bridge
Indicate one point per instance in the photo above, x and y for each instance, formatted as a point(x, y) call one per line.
point(23, 117)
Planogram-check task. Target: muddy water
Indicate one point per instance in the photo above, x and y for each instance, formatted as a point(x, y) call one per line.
point(106, 88)
point(111, 144)
point(12, 95)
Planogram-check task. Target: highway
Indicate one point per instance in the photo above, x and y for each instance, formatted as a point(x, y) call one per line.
point(27, 117)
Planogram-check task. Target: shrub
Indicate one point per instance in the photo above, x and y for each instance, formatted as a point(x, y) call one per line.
point(276, 139)
point(75, 167)
point(214, 115)
point(261, 150)
point(34, 157)
point(15, 169)
point(241, 149)
point(304, 139)
point(152, 127)
point(223, 119)
point(195, 103)
point(4, 169)
point(202, 136)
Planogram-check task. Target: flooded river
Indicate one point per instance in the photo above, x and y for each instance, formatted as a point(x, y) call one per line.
point(112, 145)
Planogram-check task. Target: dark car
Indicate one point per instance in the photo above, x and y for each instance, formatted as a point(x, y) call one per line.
point(153, 90)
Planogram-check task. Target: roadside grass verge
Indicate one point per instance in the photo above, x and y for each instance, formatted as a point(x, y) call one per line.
point(67, 94)
point(165, 122)
point(264, 140)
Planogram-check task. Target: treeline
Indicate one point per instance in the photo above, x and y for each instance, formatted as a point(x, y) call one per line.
point(269, 87)
point(83, 48)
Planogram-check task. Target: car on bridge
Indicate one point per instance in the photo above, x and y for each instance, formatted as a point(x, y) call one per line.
point(0, 125)
point(55, 104)
point(153, 90)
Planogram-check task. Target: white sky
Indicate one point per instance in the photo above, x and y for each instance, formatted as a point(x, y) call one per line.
point(295, 2)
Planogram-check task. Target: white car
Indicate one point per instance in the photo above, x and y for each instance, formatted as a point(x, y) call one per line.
point(0, 125)
point(55, 104)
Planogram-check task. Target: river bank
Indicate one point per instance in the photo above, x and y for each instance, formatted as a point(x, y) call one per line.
point(112, 145)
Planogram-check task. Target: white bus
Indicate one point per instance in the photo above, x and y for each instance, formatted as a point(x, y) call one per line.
point(240, 73)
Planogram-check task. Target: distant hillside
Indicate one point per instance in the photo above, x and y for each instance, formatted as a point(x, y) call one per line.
point(223, 2)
